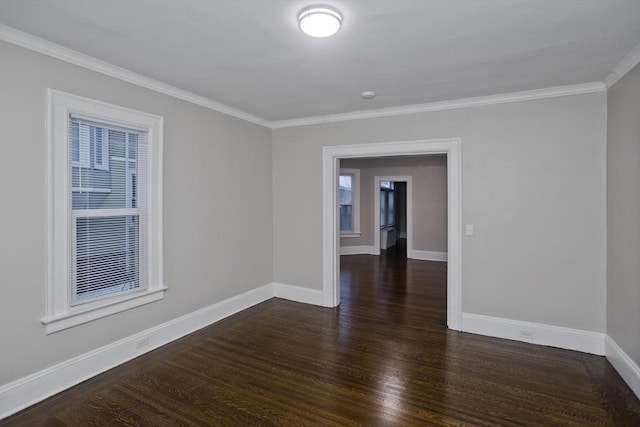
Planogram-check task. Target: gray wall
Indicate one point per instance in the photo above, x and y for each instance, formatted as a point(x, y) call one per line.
point(217, 209)
point(623, 213)
point(429, 176)
point(533, 186)
point(533, 180)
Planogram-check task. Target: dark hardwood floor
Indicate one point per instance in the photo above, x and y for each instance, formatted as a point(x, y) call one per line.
point(383, 358)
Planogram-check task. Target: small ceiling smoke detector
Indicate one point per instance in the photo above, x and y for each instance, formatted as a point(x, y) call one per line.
point(319, 21)
point(368, 94)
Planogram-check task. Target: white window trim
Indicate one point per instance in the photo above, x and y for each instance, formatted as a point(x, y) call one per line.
point(356, 203)
point(59, 312)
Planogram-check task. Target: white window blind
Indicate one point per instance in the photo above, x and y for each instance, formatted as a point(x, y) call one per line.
point(108, 210)
point(80, 146)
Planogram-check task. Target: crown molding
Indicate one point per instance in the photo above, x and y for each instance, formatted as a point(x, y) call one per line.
point(528, 95)
point(28, 41)
point(623, 67)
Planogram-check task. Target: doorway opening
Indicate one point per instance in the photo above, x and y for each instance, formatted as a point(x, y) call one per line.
point(331, 232)
point(393, 212)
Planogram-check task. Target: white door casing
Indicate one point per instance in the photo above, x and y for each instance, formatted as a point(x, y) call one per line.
point(331, 155)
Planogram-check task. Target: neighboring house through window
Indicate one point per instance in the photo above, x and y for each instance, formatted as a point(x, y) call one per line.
point(89, 146)
point(349, 187)
point(105, 206)
point(100, 139)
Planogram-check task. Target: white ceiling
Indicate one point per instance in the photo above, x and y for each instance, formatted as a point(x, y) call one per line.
point(250, 54)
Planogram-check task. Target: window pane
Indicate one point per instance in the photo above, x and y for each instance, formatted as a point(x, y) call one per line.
point(346, 218)
point(75, 142)
point(107, 256)
point(386, 184)
point(98, 146)
point(383, 208)
point(110, 182)
point(390, 211)
point(346, 189)
point(133, 146)
point(346, 202)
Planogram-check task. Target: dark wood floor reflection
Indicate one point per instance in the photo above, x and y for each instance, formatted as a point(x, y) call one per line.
point(383, 358)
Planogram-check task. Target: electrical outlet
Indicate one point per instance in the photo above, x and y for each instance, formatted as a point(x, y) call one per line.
point(527, 335)
point(468, 230)
point(142, 342)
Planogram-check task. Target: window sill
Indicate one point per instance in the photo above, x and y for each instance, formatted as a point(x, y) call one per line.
point(77, 316)
point(350, 234)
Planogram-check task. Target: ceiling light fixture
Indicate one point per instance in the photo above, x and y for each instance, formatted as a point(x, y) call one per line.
point(319, 21)
point(368, 94)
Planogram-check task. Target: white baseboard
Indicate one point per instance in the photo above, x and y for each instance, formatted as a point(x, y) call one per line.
point(33, 388)
point(626, 367)
point(298, 294)
point(428, 255)
point(358, 250)
point(26, 391)
point(535, 333)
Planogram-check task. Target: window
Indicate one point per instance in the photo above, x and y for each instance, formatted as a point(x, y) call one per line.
point(346, 202)
point(349, 187)
point(387, 212)
point(105, 231)
point(107, 248)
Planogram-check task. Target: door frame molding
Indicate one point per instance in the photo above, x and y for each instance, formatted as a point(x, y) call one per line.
point(331, 156)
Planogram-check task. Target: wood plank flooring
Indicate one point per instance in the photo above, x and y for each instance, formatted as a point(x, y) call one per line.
point(383, 358)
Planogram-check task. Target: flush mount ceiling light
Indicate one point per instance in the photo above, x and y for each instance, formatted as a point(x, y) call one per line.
point(319, 21)
point(368, 94)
